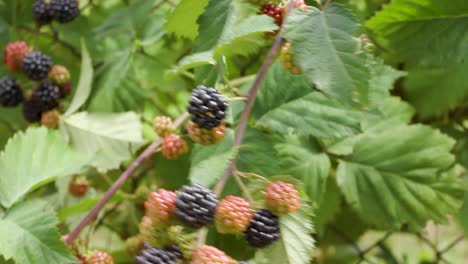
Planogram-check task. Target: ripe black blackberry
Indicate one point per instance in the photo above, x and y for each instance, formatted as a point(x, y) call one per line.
point(174, 251)
point(263, 230)
point(36, 65)
point(10, 92)
point(196, 205)
point(48, 95)
point(32, 110)
point(152, 255)
point(65, 11)
point(207, 107)
point(42, 12)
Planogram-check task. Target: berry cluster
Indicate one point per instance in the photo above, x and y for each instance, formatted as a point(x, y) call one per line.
point(277, 9)
point(37, 66)
point(64, 11)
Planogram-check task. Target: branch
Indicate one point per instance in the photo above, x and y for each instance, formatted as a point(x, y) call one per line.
point(120, 181)
point(251, 99)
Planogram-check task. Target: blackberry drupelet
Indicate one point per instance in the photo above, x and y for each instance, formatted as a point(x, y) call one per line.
point(152, 255)
point(10, 92)
point(207, 107)
point(65, 11)
point(263, 230)
point(36, 65)
point(196, 205)
point(42, 12)
point(48, 95)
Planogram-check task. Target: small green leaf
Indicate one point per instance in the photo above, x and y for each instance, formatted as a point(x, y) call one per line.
point(183, 20)
point(30, 236)
point(111, 138)
point(33, 158)
point(83, 89)
point(195, 60)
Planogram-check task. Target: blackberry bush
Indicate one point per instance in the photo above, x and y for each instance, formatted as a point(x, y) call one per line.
point(10, 92)
point(196, 205)
point(36, 65)
point(207, 107)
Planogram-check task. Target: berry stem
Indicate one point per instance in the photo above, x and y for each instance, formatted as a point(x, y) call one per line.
point(251, 99)
point(120, 181)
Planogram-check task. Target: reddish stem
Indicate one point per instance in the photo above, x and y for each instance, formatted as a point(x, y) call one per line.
point(240, 131)
point(117, 184)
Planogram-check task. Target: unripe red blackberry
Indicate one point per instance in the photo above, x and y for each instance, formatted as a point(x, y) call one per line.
point(196, 205)
point(64, 11)
point(99, 257)
point(151, 255)
point(287, 59)
point(32, 110)
point(13, 55)
point(50, 119)
point(160, 207)
point(207, 107)
point(210, 255)
point(60, 75)
point(163, 125)
point(264, 2)
point(10, 92)
point(42, 12)
point(48, 95)
point(299, 4)
point(233, 215)
point(274, 11)
point(78, 186)
point(263, 230)
point(282, 198)
point(206, 136)
point(36, 65)
point(173, 146)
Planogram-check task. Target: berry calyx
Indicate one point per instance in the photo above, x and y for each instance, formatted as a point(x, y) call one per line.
point(196, 205)
point(210, 255)
point(160, 207)
point(60, 75)
point(274, 11)
point(174, 146)
point(13, 55)
point(282, 198)
point(50, 119)
point(207, 107)
point(99, 257)
point(233, 215)
point(287, 59)
point(65, 11)
point(78, 186)
point(36, 65)
point(151, 255)
point(163, 125)
point(10, 92)
point(32, 110)
point(42, 12)
point(48, 95)
point(206, 136)
point(263, 230)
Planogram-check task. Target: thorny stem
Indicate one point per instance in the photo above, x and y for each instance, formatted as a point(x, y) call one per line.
point(251, 99)
point(117, 184)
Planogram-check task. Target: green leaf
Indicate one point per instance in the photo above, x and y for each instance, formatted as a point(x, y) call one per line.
point(209, 162)
point(435, 90)
point(195, 60)
point(296, 243)
point(423, 31)
point(32, 159)
point(182, 21)
point(381, 82)
point(83, 89)
point(324, 47)
point(30, 236)
point(303, 158)
point(111, 138)
point(394, 184)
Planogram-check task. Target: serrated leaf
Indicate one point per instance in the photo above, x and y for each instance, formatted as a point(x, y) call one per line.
point(437, 89)
point(110, 138)
point(195, 60)
point(324, 48)
point(303, 158)
point(33, 158)
point(83, 89)
point(30, 236)
point(394, 184)
point(209, 162)
point(182, 21)
point(296, 243)
point(381, 82)
point(423, 31)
